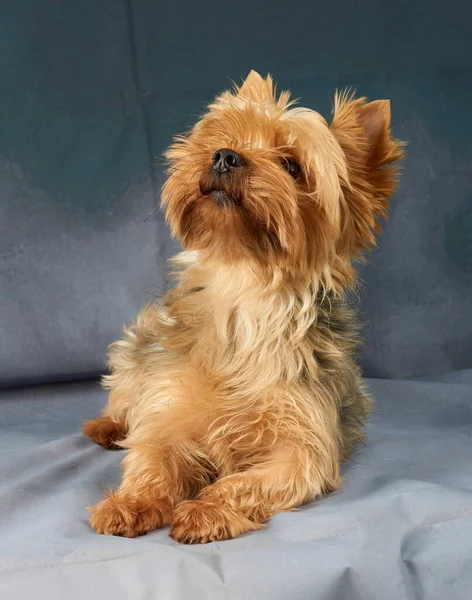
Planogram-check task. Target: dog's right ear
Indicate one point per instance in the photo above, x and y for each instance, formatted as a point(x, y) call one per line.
point(256, 88)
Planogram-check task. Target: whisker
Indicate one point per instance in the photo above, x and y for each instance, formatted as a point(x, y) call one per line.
point(152, 212)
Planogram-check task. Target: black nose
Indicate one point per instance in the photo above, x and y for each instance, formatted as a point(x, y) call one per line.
point(225, 159)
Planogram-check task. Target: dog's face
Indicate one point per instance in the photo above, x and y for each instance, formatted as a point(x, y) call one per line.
point(259, 180)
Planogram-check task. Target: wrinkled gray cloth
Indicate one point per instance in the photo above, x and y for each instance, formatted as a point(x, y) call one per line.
point(400, 528)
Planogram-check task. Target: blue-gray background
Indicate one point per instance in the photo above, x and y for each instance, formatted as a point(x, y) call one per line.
point(91, 94)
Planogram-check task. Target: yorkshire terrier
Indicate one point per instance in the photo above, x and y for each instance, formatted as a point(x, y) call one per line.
point(237, 395)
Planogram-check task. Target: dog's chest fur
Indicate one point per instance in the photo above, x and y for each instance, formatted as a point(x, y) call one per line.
point(242, 357)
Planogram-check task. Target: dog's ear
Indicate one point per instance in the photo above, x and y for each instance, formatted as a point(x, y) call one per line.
point(375, 119)
point(256, 88)
point(363, 131)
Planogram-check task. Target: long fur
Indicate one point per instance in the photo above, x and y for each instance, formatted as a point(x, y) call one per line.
point(237, 395)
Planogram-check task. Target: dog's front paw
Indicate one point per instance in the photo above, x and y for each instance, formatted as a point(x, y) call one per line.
point(199, 522)
point(127, 516)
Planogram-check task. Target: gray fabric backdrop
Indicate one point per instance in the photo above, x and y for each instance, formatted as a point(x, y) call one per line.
point(91, 94)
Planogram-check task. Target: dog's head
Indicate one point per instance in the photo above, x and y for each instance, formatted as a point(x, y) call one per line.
point(260, 180)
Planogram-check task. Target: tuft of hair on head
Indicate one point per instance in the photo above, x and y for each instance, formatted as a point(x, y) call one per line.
point(362, 129)
point(262, 90)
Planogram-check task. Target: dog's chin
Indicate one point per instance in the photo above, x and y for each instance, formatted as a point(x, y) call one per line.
point(222, 199)
point(216, 224)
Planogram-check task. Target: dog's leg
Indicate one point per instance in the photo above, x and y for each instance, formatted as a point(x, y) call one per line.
point(154, 481)
point(125, 361)
point(244, 501)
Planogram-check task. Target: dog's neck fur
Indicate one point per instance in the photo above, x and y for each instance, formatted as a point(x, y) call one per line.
point(244, 317)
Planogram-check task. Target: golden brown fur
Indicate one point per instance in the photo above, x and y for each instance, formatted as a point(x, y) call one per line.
point(237, 395)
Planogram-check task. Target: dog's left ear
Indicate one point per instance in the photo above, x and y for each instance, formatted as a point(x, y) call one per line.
point(256, 88)
point(375, 118)
point(362, 129)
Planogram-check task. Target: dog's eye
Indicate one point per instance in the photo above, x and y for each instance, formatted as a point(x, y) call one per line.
point(292, 167)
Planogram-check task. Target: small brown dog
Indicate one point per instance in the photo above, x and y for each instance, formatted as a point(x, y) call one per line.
point(237, 396)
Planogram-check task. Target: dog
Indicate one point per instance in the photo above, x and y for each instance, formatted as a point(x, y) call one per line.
point(237, 395)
